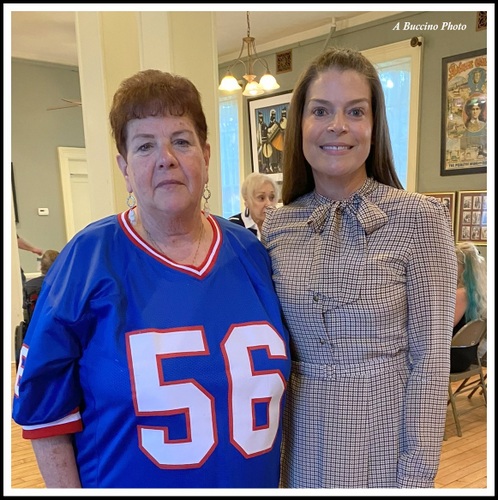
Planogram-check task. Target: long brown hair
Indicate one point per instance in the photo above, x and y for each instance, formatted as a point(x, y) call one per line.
point(297, 173)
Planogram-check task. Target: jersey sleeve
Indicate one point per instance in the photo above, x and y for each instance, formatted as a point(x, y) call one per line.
point(47, 392)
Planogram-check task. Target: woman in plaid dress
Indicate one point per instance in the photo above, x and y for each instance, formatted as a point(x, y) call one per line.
point(366, 274)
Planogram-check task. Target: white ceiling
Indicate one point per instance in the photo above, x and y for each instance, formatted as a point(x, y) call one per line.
point(50, 36)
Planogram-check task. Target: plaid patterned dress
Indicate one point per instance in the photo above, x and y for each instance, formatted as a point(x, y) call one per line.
point(367, 287)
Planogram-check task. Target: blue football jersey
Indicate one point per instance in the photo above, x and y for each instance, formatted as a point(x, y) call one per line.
point(167, 375)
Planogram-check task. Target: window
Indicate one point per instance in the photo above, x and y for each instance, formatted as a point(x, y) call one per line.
point(229, 154)
point(399, 70)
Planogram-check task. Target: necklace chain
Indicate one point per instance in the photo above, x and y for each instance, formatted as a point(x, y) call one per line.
point(158, 247)
point(198, 244)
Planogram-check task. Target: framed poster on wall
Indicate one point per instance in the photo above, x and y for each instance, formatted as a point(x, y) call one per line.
point(464, 114)
point(267, 122)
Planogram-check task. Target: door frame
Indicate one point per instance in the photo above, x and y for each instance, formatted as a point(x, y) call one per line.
point(66, 154)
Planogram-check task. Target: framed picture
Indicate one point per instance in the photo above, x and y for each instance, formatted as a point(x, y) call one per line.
point(464, 114)
point(472, 222)
point(267, 122)
point(448, 199)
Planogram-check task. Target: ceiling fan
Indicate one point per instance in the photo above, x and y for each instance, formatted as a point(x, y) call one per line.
point(72, 104)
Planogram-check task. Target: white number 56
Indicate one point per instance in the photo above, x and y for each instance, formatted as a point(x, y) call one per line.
point(158, 393)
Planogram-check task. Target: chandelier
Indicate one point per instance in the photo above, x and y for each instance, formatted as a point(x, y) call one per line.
point(267, 81)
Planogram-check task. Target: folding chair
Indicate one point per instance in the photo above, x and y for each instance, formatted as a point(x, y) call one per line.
point(468, 336)
point(20, 333)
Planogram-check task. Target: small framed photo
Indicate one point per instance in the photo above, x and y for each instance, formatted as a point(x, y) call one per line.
point(267, 122)
point(449, 199)
point(472, 220)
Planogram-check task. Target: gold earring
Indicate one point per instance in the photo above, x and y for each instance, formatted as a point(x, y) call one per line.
point(131, 200)
point(206, 195)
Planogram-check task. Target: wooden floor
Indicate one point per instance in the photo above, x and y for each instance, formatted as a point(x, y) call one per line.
point(463, 459)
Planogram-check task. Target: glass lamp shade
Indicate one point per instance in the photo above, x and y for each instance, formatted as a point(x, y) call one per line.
point(252, 89)
point(268, 82)
point(229, 83)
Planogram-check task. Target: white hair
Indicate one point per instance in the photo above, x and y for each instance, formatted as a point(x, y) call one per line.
point(253, 182)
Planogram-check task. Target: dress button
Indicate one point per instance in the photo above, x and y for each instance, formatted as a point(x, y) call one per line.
point(315, 297)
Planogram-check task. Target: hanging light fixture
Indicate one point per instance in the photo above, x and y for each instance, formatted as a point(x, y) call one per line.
point(267, 81)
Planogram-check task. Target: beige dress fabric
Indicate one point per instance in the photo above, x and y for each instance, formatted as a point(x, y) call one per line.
point(367, 287)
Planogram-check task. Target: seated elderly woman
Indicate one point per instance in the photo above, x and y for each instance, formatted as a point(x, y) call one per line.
point(259, 191)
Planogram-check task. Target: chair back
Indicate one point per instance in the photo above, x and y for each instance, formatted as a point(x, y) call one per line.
point(470, 334)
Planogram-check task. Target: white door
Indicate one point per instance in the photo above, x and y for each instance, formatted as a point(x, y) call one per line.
point(75, 193)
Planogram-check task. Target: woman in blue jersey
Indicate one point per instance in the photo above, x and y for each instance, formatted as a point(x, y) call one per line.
point(136, 370)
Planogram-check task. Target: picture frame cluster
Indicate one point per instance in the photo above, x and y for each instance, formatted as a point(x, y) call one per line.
point(469, 214)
